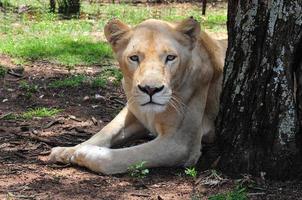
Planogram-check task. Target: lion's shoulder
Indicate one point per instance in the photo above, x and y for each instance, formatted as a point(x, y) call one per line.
point(216, 50)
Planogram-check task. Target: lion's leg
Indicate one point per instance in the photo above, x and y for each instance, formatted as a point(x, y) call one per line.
point(162, 151)
point(121, 128)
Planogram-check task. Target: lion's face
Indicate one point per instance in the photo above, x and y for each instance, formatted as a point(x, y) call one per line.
point(153, 57)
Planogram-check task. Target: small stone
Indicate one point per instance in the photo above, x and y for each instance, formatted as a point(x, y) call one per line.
point(4, 100)
point(86, 98)
point(98, 97)
point(95, 106)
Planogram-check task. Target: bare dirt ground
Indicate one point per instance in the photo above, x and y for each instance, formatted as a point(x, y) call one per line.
point(25, 145)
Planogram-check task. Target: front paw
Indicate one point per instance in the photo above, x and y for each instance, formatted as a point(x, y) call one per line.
point(61, 154)
point(92, 157)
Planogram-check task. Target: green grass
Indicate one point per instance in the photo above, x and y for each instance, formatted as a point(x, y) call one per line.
point(28, 88)
point(31, 88)
point(39, 112)
point(192, 172)
point(64, 42)
point(69, 82)
point(43, 36)
point(34, 112)
point(32, 3)
point(10, 116)
point(236, 194)
point(138, 170)
point(107, 75)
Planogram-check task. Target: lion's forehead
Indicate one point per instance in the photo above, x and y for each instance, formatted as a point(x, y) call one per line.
point(152, 41)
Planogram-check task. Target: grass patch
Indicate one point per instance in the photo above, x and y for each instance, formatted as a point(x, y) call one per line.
point(192, 172)
point(236, 194)
point(10, 116)
point(70, 82)
point(31, 113)
point(46, 37)
point(32, 3)
point(39, 112)
point(43, 36)
point(138, 170)
point(107, 75)
point(31, 88)
point(113, 75)
point(56, 47)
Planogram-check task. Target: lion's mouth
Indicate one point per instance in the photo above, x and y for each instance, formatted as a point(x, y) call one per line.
point(152, 103)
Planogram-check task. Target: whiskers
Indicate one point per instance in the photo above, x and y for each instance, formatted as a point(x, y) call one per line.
point(174, 101)
point(131, 99)
point(178, 104)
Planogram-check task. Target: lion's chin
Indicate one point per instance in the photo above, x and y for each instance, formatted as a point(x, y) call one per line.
point(153, 107)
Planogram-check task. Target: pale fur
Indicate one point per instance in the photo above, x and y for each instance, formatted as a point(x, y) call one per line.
point(190, 98)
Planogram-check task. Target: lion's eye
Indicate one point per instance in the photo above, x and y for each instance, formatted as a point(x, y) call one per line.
point(134, 58)
point(170, 58)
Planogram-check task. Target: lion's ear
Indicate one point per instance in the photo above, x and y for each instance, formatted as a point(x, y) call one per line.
point(114, 31)
point(190, 28)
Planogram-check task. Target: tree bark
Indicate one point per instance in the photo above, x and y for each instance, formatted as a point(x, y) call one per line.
point(260, 117)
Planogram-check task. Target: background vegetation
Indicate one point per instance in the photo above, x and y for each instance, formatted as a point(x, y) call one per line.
point(30, 32)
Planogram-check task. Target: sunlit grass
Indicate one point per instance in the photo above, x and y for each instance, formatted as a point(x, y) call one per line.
point(73, 81)
point(43, 36)
point(64, 42)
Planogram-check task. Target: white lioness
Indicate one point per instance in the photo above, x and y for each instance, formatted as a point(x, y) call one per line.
point(172, 80)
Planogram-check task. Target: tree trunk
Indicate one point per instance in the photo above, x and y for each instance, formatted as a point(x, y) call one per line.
point(260, 114)
point(52, 6)
point(69, 8)
point(204, 7)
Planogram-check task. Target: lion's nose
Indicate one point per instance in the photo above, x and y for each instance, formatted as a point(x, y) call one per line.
point(150, 90)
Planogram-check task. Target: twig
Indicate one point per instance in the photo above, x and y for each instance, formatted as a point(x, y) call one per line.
point(40, 139)
point(51, 124)
point(256, 194)
point(94, 121)
point(11, 72)
point(4, 115)
point(119, 101)
point(74, 118)
point(44, 153)
point(140, 195)
point(37, 138)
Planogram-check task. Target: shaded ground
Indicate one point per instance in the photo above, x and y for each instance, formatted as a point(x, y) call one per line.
point(25, 144)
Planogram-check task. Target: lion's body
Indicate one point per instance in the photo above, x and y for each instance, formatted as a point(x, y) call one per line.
point(172, 80)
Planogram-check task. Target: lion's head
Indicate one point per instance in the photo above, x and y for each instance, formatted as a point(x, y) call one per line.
point(153, 57)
